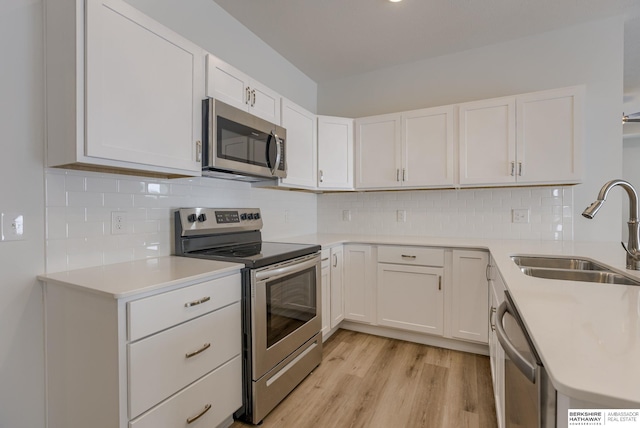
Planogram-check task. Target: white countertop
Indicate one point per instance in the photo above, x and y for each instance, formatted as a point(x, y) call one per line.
point(587, 334)
point(126, 279)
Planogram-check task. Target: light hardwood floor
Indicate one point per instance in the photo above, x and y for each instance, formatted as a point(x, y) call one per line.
point(369, 382)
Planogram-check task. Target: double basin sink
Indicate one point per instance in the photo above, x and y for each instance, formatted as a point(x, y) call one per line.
point(571, 269)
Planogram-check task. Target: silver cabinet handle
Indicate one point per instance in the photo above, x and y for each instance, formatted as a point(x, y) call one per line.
point(335, 260)
point(406, 256)
point(321, 176)
point(439, 282)
point(487, 272)
point(492, 323)
point(513, 168)
point(253, 97)
point(404, 174)
point(247, 95)
point(527, 369)
point(520, 169)
point(197, 302)
point(198, 151)
point(194, 353)
point(397, 174)
point(198, 416)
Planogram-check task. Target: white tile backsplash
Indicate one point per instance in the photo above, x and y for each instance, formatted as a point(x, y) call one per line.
point(79, 206)
point(478, 213)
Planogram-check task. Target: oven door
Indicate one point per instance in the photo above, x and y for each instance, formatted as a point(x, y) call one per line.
point(285, 310)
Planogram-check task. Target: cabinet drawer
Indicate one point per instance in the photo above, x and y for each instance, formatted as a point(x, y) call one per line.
point(221, 390)
point(411, 255)
point(164, 363)
point(155, 313)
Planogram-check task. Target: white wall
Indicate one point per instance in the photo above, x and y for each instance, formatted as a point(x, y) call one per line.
point(21, 191)
point(590, 54)
point(211, 27)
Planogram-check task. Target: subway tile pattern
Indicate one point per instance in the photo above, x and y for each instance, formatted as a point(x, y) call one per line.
point(79, 206)
point(477, 213)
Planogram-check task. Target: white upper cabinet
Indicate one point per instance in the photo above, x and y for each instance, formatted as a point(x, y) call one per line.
point(527, 139)
point(122, 90)
point(411, 149)
point(235, 88)
point(300, 146)
point(549, 136)
point(378, 152)
point(487, 141)
point(427, 147)
point(335, 152)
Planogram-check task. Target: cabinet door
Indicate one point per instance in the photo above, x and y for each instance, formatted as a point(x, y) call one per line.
point(144, 86)
point(337, 286)
point(411, 298)
point(227, 84)
point(265, 103)
point(487, 142)
point(470, 296)
point(427, 149)
point(549, 140)
point(335, 152)
point(378, 152)
point(300, 144)
point(358, 283)
point(325, 274)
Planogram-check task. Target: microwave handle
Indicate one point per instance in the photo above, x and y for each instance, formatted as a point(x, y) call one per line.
point(274, 137)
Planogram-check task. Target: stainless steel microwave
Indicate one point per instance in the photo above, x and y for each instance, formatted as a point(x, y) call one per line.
point(239, 145)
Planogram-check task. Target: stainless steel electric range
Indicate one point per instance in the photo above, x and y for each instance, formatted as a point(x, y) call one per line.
point(281, 339)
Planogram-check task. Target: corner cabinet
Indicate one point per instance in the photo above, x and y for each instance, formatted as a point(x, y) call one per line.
point(359, 283)
point(122, 91)
point(301, 144)
point(378, 152)
point(527, 139)
point(233, 87)
point(335, 153)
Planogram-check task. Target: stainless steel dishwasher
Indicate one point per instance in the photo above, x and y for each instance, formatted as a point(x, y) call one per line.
point(530, 398)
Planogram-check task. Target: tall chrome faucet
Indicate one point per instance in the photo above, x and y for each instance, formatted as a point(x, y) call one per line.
point(633, 252)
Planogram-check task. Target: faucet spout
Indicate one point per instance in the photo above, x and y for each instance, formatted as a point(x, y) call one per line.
point(633, 247)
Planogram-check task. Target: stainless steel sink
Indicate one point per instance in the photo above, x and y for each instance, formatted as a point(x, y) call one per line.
point(558, 263)
point(571, 269)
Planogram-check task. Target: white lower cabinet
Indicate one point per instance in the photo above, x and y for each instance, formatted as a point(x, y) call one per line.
point(470, 295)
point(359, 283)
point(148, 359)
point(332, 289)
point(411, 298)
point(496, 354)
point(325, 277)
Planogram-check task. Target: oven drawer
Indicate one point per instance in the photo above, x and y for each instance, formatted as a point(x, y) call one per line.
point(411, 255)
point(221, 389)
point(166, 362)
point(155, 313)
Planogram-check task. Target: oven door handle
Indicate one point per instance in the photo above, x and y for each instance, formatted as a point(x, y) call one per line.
point(285, 270)
point(525, 367)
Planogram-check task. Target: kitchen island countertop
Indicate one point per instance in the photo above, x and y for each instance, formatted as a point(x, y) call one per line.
point(587, 334)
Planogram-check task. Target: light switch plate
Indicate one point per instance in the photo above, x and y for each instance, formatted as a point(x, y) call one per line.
point(12, 227)
point(401, 216)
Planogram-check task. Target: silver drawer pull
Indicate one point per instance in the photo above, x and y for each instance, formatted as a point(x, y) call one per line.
point(198, 416)
point(197, 302)
point(405, 256)
point(194, 353)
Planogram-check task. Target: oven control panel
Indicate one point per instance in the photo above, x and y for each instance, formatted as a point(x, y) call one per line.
point(218, 220)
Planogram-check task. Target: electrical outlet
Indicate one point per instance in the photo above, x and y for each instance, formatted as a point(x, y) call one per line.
point(401, 216)
point(346, 215)
point(118, 222)
point(520, 215)
point(12, 227)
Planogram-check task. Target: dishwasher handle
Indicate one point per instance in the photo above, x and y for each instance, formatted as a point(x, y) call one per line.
point(525, 367)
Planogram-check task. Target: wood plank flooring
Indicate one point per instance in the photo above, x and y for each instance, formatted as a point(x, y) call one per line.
point(366, 381)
